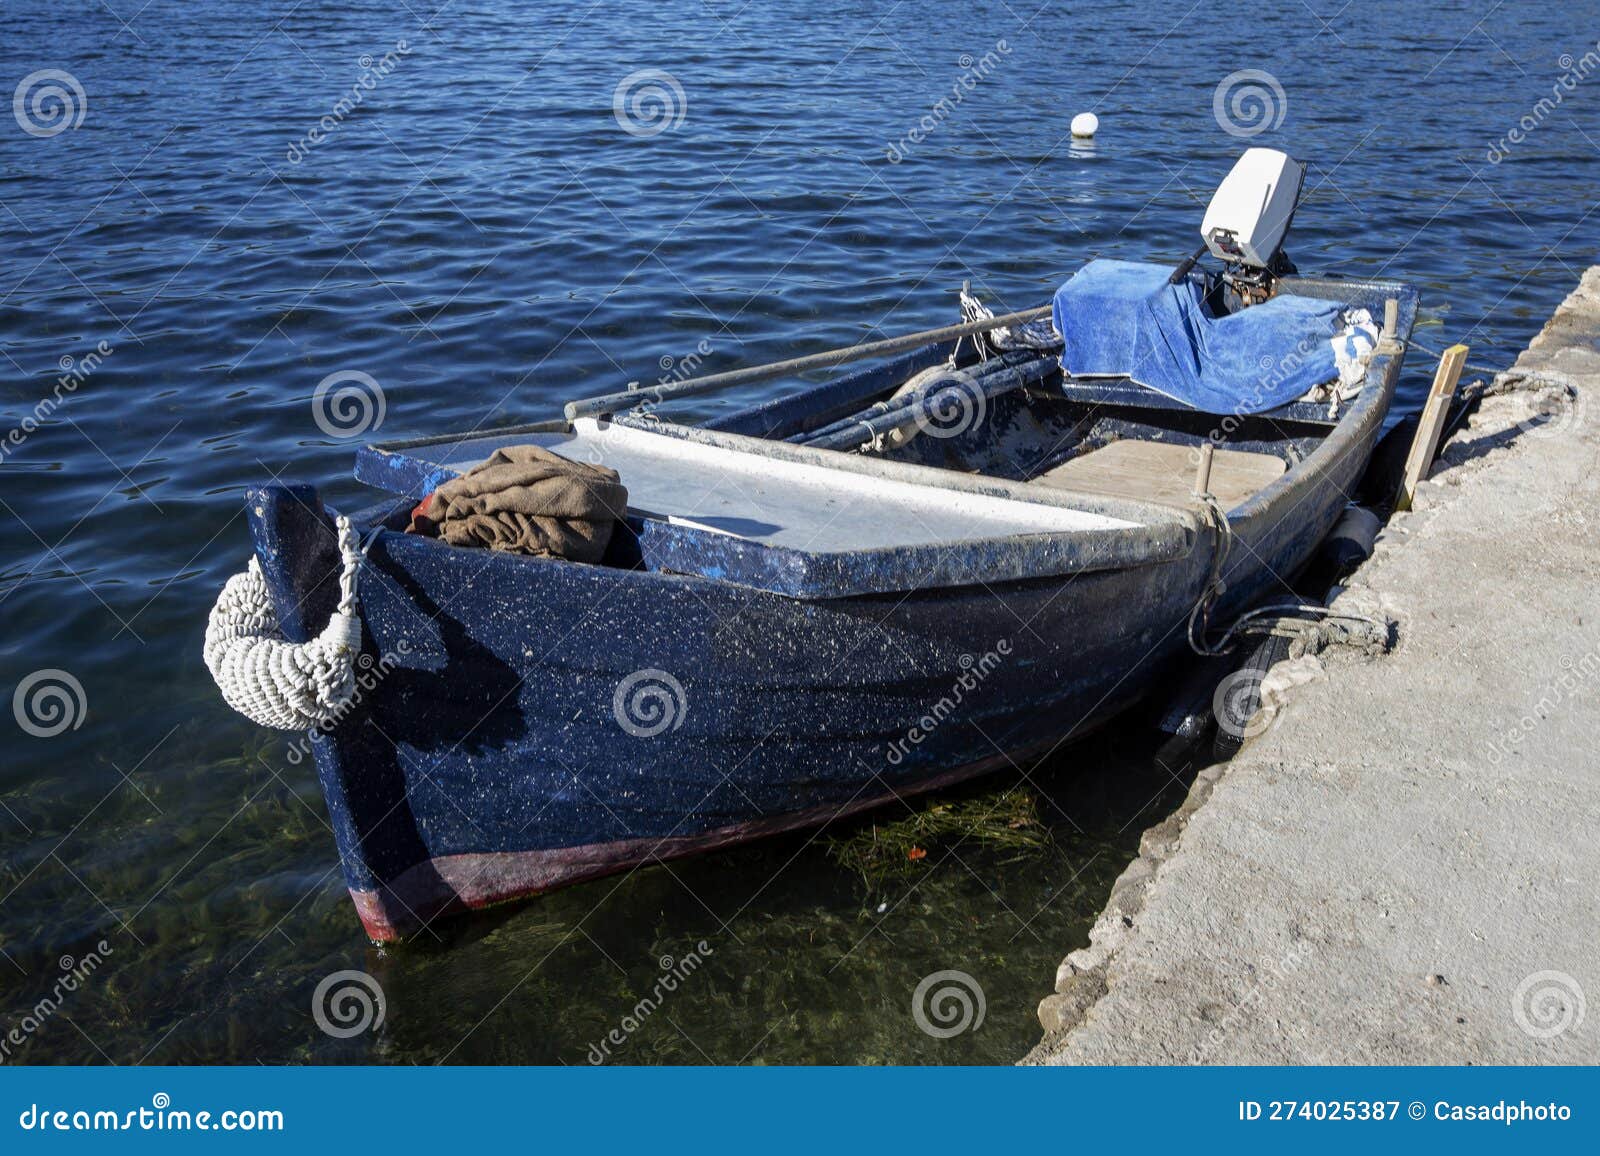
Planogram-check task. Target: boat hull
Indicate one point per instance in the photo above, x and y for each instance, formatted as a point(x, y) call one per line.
point(523, 724)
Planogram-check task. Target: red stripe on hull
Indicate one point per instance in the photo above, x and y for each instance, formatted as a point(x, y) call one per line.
point(452, 884)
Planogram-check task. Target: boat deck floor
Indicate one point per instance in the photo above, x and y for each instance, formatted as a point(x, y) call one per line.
point(1163, 472)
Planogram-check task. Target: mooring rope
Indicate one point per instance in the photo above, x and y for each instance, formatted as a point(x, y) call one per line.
point(1037, 334)
point(1326, 626)
point(1464, 365)
point(266, 678)
point(1200, 616)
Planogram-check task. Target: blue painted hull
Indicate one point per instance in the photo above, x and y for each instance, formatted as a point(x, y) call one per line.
point(528, 723)
point(493, 726)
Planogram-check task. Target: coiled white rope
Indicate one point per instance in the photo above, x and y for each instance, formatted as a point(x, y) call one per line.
point(266, 678)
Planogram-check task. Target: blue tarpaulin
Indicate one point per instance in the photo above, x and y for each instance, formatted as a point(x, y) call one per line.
point(1122, 319)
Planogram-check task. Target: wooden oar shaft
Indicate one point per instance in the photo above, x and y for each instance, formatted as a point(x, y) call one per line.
point(613, 402)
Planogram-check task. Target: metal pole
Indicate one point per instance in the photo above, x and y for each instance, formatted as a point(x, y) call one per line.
point(613, 402)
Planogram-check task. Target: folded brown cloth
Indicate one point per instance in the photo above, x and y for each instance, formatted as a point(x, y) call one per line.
point(527, 500)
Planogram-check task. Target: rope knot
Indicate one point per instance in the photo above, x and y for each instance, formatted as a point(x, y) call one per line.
point(275, 682)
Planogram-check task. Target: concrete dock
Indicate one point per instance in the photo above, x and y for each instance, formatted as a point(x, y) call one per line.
point(1405, 867)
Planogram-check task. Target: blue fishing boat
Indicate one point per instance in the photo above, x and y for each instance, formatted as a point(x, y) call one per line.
point(979, 548)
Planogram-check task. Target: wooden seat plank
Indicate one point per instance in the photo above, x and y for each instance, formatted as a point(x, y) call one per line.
point(1163, 472)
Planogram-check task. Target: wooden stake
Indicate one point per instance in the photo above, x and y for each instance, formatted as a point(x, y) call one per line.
point(1431, 424)
point(1388, 340)
point(1202, 473)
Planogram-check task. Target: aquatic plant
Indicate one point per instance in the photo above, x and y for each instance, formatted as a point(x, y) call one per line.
point(885, 851)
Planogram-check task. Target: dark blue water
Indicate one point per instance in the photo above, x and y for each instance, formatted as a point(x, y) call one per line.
point(482, 237)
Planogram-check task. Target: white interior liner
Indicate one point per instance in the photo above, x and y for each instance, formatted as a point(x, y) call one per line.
point(791, 504)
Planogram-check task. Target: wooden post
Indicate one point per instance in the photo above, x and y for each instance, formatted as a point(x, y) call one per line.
point(1431, 424)
point(1389, 339)
point(1202, 473)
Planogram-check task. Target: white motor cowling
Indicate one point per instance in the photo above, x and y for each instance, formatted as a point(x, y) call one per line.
point(1249, 215)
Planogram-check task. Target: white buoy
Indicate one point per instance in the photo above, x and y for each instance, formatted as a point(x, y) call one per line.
point(1085, 124)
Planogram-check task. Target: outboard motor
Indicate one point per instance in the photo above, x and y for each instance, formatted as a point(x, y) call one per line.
point(1248, 218)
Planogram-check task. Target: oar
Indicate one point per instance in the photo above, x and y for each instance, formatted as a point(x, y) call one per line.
point(612, 402)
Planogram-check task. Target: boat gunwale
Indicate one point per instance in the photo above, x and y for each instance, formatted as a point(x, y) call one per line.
point(1161, 532)
point(1368, 409)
